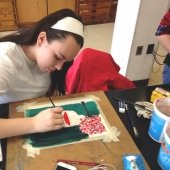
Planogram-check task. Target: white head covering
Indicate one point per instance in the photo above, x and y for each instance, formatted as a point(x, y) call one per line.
point(69, 24)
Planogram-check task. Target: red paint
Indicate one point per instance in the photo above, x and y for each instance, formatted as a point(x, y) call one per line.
point(66, 119)
point(92, 125)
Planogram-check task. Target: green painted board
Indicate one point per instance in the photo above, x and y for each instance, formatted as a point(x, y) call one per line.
point(65, 135)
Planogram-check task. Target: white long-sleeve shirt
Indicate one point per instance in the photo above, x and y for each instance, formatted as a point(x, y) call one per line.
point(20, 78)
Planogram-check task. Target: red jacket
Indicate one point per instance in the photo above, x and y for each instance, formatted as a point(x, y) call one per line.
point(94, 70)
point(164, 26)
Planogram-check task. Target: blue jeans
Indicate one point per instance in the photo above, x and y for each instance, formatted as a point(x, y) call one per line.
point(166, 74)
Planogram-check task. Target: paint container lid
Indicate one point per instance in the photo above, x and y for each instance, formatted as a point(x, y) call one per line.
point(162, 107)
point(160, 118)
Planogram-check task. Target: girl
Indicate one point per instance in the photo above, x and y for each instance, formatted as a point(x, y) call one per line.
point(27, 58)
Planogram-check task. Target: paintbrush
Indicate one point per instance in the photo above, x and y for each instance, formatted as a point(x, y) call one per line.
point(52, 102)
point(1, 157)
point(83, 103)
point(131, 121)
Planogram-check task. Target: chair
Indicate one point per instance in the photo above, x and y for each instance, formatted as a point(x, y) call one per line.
point(94, 70)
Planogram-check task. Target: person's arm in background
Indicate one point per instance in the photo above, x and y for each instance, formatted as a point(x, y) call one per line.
point(163, 32)
point(165, 41)
point(163, 36)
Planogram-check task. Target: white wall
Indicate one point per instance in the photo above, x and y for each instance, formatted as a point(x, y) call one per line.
point(135, 25)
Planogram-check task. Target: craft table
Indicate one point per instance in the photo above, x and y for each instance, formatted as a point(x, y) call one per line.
point(93, 151)
point(148, 147)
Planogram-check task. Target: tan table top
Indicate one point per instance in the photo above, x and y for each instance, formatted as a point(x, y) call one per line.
point(93, 151)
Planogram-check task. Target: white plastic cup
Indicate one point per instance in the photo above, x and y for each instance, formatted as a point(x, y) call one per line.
point(160, 118)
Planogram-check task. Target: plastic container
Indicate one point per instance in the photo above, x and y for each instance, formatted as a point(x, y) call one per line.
point(160, 118)
point(164, 151)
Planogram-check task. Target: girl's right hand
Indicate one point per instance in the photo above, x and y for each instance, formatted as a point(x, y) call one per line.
point(49, 119)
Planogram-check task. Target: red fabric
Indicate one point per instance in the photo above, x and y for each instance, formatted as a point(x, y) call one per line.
point(94, 70)
point(165, 21)
point(164, 26)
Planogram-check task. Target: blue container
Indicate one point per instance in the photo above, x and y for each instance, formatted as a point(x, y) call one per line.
point(159, 120)
point(133, 162)
point(164, 151)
